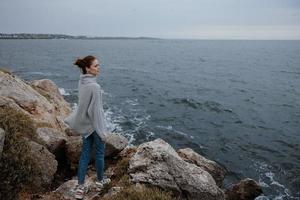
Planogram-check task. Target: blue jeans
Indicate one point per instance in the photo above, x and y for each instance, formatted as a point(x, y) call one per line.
point(86, 154)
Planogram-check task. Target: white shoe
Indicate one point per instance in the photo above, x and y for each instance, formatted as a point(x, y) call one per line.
point(102, 183)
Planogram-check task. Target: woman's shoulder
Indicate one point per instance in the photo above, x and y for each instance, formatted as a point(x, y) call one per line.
point(94, 86)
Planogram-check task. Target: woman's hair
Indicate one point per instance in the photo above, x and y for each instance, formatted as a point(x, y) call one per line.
point(85, 62)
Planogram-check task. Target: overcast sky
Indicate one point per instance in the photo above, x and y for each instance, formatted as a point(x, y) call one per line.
point(194, 19)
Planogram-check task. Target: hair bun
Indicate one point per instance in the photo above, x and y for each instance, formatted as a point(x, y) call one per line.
point(80, 63)
point(85, 62)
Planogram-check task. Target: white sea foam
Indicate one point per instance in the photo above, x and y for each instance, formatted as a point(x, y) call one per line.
point(132, 102)
point(134, 115)
point(271, 176)
point(262, 183)
point(74, 106)
point(111, 123)
point(151, 134)
point(267, 179)
point(63, 92)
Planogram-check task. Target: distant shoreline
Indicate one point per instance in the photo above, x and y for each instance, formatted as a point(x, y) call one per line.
point(34, 36)
point(63, 36)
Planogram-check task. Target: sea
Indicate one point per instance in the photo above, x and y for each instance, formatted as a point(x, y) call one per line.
point(236, 102)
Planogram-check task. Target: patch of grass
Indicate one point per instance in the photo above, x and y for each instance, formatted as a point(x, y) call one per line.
point(43, 124)
point(17, 165)
point(15, 122)
point(122, 167)
point(142, 193)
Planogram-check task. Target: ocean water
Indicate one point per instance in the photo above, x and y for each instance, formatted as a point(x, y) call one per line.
point(235, 102)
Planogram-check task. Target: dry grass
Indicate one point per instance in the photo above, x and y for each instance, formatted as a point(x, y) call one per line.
point(142, 193)
point(18, 165)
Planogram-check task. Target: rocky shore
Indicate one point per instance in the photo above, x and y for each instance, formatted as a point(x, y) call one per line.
point(39, 156)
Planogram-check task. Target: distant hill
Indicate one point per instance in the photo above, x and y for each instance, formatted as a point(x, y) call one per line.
point(62, 36)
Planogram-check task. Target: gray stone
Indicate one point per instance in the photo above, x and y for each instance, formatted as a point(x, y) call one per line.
point(158, 164)
point(21, 96)
point(46, 161)
point(53, 139)
point(115, 143)
point(217, 172)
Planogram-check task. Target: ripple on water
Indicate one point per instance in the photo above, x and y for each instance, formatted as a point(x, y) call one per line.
point(205, 106)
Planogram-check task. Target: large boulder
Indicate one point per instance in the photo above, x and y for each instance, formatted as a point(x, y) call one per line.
point(53, 139)
point(42, 107)
point(158, 164)
point(2, 138)
point(246, 189)
point(46, 161)
point(217, 172)
point(50, 90)
point(115, 143)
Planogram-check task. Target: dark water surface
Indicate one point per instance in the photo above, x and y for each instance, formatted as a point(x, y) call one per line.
point(236, 102)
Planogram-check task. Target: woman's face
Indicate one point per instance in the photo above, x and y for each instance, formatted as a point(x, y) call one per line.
point(94, 68)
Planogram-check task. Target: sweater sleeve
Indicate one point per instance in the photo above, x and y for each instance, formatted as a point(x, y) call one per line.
point(96, 112)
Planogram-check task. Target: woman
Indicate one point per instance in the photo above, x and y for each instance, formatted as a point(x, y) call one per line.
point(89, 121)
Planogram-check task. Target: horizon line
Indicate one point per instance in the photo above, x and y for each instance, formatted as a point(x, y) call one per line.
point(148, 37)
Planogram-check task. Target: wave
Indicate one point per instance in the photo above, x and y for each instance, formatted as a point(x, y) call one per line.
point(170, 128)
point(205, 106)
point(63, 92)
point(37, 73)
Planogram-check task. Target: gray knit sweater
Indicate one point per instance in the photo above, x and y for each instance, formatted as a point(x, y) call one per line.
point(89, 115)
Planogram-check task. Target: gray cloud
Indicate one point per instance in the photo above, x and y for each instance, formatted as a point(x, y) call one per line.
point(228, 19)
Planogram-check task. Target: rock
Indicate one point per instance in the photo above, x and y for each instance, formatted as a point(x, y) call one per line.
point(5, 101)
point(2, 139)
point(46, 85)
point(246, 189)
point(67, 189)
point(158, 164)
point(115, 143)
point(73, 150)
point(217, 172)
point(49, 89)
point(42, 108)
point(51, 138)
point(46, 161)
